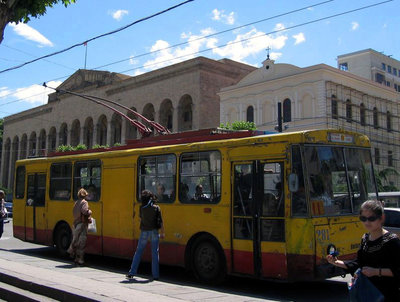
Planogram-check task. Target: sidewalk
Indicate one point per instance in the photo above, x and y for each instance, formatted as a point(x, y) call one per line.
point(61, 280)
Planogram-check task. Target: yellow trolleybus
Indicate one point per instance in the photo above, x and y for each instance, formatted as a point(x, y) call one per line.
point(271, 206)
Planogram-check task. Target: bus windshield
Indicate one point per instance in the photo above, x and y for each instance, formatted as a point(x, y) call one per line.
point(339, 179)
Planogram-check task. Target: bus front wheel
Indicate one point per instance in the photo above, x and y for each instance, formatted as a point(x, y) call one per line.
point(208, 263)
point(62, 239)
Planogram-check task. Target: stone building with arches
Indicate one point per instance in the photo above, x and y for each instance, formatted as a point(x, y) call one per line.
point(315, 97)
point(181, 97)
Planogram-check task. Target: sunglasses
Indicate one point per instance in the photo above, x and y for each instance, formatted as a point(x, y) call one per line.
point(370, 218)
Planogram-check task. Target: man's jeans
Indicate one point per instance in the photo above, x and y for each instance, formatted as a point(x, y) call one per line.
point(144, 237)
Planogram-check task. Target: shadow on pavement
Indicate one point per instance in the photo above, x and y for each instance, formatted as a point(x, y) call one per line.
point(302, 291)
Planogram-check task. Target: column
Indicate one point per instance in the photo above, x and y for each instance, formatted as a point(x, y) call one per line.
point(95, 134)
point(175, 112)
point(82, 135)
point(57, 138)
point(69, 134)
point(109, 133)
point(37, 151)
point(123, 131)
point(46, 145)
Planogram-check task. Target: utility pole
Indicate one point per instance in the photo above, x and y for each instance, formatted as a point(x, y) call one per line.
point(279, 117)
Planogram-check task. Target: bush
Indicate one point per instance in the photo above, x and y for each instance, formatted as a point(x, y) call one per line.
point(64, 148)
point(239, 125)
point(81, 147)
point(97, 146)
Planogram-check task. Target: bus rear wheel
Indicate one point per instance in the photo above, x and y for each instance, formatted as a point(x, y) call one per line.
point(62, 239)
point(208, 263)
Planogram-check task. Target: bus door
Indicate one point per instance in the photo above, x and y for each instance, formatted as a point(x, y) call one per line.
point(35, 210)
point(258, 226)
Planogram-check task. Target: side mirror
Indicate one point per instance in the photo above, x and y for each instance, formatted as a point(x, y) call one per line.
point(293, 182)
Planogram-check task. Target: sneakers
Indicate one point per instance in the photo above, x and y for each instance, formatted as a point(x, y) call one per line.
point(129, 276)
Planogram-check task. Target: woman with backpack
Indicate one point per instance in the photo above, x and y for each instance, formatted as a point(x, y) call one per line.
point(150, 224)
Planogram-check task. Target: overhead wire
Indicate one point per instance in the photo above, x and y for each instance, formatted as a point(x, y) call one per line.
point(215, 34)
point(192, 40)
point(97, 37)
point(250, 38)
point(266, 34)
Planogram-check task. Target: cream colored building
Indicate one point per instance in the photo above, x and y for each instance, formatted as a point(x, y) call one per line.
point(373, 65)
point(318, 96)
point(181, 97)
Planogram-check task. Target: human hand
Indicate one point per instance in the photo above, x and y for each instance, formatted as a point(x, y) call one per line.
point(370, 271)
point(162, 235)
point(331, 259)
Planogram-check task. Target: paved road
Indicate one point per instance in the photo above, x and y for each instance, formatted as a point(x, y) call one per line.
point(175, 282)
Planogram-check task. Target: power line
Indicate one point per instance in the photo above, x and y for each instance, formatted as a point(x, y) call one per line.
point(247, 39)
point(97, 37)
point(266, 34)
point(199, 38)
point(26, 53)
point(215, 34)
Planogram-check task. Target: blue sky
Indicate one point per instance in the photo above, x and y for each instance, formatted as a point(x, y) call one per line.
point(147, 45)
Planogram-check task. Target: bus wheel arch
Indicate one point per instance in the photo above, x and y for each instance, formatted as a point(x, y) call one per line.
point(62, 237)
point(205, 257)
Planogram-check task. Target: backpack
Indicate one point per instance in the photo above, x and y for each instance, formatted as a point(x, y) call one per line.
point(158, 218)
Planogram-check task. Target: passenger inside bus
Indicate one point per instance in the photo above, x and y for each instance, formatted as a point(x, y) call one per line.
point(199, 195)
point(162, 197)
point(184, 192)
point(92, 193)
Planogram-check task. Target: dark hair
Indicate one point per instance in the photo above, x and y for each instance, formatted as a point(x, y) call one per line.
point(146, 195)
point(375, 206)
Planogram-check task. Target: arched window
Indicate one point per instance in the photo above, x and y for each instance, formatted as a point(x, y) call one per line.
point(63, 135)
point(250, 114)
point(388, 121)
point(287, 111)
point(349, 112)
point(375, 117)
point(334, 105)
point(362, 114)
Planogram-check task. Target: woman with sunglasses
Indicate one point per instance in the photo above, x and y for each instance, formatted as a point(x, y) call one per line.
point(379, 253)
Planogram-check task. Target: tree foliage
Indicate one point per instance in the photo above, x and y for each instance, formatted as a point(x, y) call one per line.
point(382, 180)
point(239, 125)
point(23, 10)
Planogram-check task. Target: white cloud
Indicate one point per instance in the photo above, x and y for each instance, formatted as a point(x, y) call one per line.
point(242, 46)
point(164, 57)
point(275, 55)
point(219, 15)
point(4, 91)
point(354, 25)
point(35, 94)
point(30, 33)
point(247, 44)
point(119, 14)
point(300, 38)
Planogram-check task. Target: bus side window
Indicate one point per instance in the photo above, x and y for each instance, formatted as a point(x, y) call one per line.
point(157, 173)
point(60, 181)
point(87, 175)
point(20, 183)
point(201, 174)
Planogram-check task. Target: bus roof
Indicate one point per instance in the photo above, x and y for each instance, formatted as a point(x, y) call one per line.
point(216, 134)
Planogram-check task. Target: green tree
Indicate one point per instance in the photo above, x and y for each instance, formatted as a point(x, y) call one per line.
point(382, 180)
point(22, 10)
point(239, 125)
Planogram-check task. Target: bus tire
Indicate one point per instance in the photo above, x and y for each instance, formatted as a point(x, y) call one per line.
point(208, 261)
point(62, 239)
